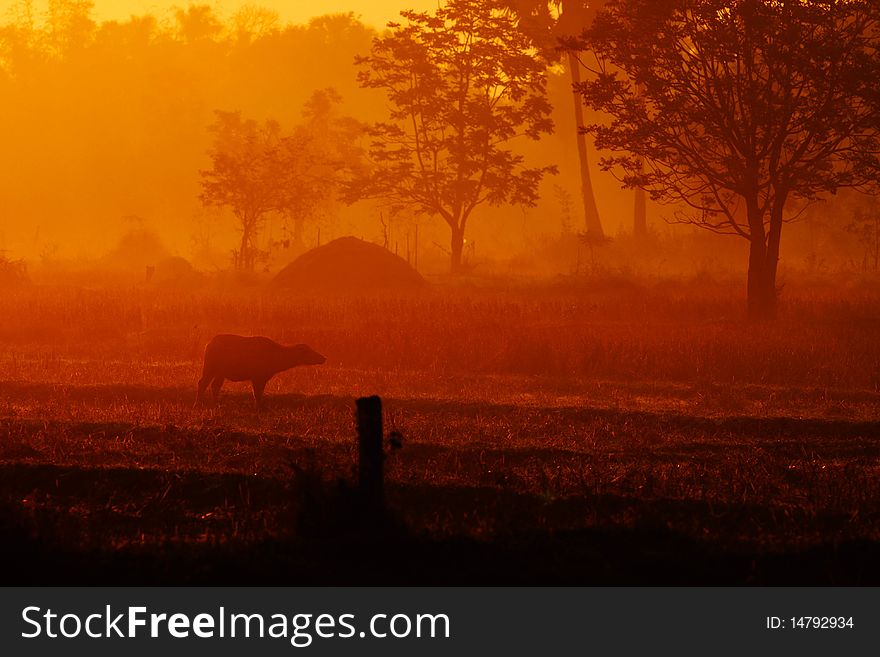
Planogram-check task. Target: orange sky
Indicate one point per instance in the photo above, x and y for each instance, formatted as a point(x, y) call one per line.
point(376, 12)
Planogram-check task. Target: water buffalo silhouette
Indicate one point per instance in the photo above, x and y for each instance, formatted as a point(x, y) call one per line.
point(255, 359)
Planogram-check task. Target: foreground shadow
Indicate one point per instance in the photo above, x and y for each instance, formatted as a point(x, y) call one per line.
point(302, 531)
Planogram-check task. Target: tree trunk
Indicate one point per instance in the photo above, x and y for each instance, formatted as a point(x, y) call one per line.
point(457, 247)
point(245, 249)
point(774, 236)
point(640, 211)
point(640, 215)
point(762, 282)
point(591, 212)
point(763, 255)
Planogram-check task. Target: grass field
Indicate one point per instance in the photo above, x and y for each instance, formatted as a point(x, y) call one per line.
point(614, 434)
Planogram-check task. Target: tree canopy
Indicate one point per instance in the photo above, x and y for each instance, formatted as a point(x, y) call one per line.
point(462, 83)
point(256, 169)
point(115, 122)
point(732, 109)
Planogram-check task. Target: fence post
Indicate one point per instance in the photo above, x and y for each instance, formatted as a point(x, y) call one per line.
point(371, 481)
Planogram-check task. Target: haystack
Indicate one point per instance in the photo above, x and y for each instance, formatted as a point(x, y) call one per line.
point(349, 265)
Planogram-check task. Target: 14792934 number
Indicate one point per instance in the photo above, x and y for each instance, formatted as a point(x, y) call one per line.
point(821, 622)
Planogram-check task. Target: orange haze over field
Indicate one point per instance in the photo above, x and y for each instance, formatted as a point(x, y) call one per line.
point(112, 120)
point(372, 12)
point(229, 228)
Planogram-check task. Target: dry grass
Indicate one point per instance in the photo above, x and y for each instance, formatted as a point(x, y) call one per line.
point(633, 334)
point(531, 410)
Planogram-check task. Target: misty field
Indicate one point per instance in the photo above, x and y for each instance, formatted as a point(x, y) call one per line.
point(611, 432)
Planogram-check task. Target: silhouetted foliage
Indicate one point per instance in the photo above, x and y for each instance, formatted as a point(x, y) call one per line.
point(70, 25)
point(245, 174)
point(737, 107)
point(251, 23)
point(462, 83)
point(116, 125)
point(197, 23)
point(257, 169)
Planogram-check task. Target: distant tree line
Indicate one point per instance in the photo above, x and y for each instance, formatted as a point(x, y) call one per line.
point(108, 119)
point(729, 110)
point(738, 113)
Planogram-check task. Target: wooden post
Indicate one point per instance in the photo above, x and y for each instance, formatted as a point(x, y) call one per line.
point(371, 481)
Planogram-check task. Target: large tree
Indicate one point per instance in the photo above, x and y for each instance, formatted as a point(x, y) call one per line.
point(461, 84)
point(733, 108)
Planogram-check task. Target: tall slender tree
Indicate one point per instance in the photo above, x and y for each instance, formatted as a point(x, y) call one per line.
point(548, 23)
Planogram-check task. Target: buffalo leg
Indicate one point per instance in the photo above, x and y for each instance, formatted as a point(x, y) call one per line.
point(259, 387)
point(203, 386)
point(215, 388)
